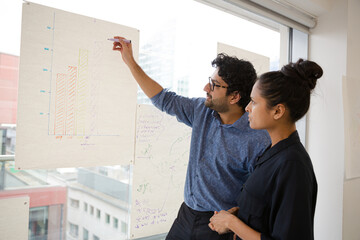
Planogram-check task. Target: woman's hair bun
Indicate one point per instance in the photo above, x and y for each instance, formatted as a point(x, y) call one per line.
point(305, 72)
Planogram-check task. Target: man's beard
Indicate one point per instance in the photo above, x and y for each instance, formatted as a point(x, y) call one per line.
point(218, 105)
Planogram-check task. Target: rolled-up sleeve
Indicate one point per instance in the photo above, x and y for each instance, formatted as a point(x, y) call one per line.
point(181, 107)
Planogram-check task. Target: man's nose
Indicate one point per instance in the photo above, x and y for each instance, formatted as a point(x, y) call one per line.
point(207, 88)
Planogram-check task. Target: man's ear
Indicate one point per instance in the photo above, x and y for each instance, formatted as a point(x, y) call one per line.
point(234, 97)
point(279, 111)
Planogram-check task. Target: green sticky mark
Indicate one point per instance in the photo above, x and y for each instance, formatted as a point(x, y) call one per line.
point(13, 170)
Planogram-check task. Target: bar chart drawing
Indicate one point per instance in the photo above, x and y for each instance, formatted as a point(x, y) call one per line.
point(71, 99)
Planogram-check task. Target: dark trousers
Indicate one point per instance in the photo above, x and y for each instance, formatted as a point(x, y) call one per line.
point(193, 225)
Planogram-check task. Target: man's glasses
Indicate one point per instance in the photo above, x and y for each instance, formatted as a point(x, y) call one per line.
point(212, 84)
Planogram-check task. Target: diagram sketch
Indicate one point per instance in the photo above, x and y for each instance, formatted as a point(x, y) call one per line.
point(161, 158)
point(261, 63)
point(77, 99)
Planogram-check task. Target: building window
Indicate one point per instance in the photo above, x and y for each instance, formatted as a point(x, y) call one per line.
point(95, 237)
point(115, 222)
point(74, 230)
point(85, 234)
point(74, 203)
point(107, 218)
point(98, 213)
point(123, 227)
point(85, 207)
point(38, 224)
point(91, 210)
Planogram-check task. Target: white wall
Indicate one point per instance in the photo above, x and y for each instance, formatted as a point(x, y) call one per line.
point(338, 211)
point(325, 142)
point(94, 225)
point(351, 223)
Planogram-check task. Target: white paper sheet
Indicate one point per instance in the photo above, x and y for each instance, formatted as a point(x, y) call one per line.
point(77, 98)
point(14, 218)
point(162, 154)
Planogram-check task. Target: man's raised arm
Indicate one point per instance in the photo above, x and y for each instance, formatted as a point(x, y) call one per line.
point(147, 84)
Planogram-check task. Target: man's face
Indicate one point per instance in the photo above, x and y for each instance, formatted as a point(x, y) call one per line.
point(217, 99)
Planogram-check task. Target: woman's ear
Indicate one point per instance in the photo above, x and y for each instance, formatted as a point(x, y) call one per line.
point(279, 111)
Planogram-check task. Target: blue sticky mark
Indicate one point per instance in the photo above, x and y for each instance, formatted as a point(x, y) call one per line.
point(47, 49)
point(41, 113)
point(45, 70)
point(42, 91)
point(48, 27)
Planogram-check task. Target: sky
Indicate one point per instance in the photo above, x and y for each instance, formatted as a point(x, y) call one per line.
point(119, 11)
point(108, 10)
point(200, 26)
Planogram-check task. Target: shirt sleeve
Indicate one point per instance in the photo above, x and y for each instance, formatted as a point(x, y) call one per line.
point(181, 107)
point(292, 208)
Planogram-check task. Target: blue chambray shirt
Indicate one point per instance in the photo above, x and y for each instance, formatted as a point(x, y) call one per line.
point(221, 155)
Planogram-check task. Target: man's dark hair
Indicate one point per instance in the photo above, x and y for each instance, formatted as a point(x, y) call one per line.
point(239, 74)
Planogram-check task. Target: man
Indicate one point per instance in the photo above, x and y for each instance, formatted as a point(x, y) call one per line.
point(223, 146)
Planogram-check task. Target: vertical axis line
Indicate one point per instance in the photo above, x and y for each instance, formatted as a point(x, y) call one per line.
point(51, 70)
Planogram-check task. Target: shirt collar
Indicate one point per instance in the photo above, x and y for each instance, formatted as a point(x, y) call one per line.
point(241, 123)
point(292, 139)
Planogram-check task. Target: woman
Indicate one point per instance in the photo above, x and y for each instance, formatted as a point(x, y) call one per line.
point(278, 199)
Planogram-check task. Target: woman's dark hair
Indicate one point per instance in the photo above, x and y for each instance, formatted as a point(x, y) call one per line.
point(239, 74)
point(291, 86)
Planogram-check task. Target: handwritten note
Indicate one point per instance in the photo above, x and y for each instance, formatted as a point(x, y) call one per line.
point(161, 157)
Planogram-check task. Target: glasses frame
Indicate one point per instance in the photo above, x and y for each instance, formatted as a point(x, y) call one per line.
point(213, 85)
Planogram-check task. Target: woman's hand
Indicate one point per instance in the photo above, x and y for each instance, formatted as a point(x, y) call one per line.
point(234, 210)
point(219, 222)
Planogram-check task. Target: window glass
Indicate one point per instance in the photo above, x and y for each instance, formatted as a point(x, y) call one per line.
point(176, 49)
point(123, 227)
point(38, 224)
point(115, 222)
point(74, 230)
point(98, 213)
point(91, 210)
point(85, 234)
point(85, 207)
point(74, 203)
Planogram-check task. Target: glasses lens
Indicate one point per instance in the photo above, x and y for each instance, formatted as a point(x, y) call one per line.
point(211, 85)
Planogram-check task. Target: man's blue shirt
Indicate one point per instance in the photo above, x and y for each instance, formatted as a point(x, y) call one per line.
point(222, 156)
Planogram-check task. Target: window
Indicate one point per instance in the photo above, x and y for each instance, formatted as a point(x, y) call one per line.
point(107, 218)
point(161, 29)
point(85, 234)
point(74, 230)
point(38, 224)
point(74, 203)
point(123, 227)
point(85, 207)
point(115, 222)
point(98, 213)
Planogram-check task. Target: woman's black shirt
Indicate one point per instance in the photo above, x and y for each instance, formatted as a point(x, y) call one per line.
point(279, 197)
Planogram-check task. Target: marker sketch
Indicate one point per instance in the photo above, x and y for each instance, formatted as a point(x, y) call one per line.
point(161, 158)
point(73, 108)
point(71, 99)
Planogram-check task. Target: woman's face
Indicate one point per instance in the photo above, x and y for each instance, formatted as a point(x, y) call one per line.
point(260, 116)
